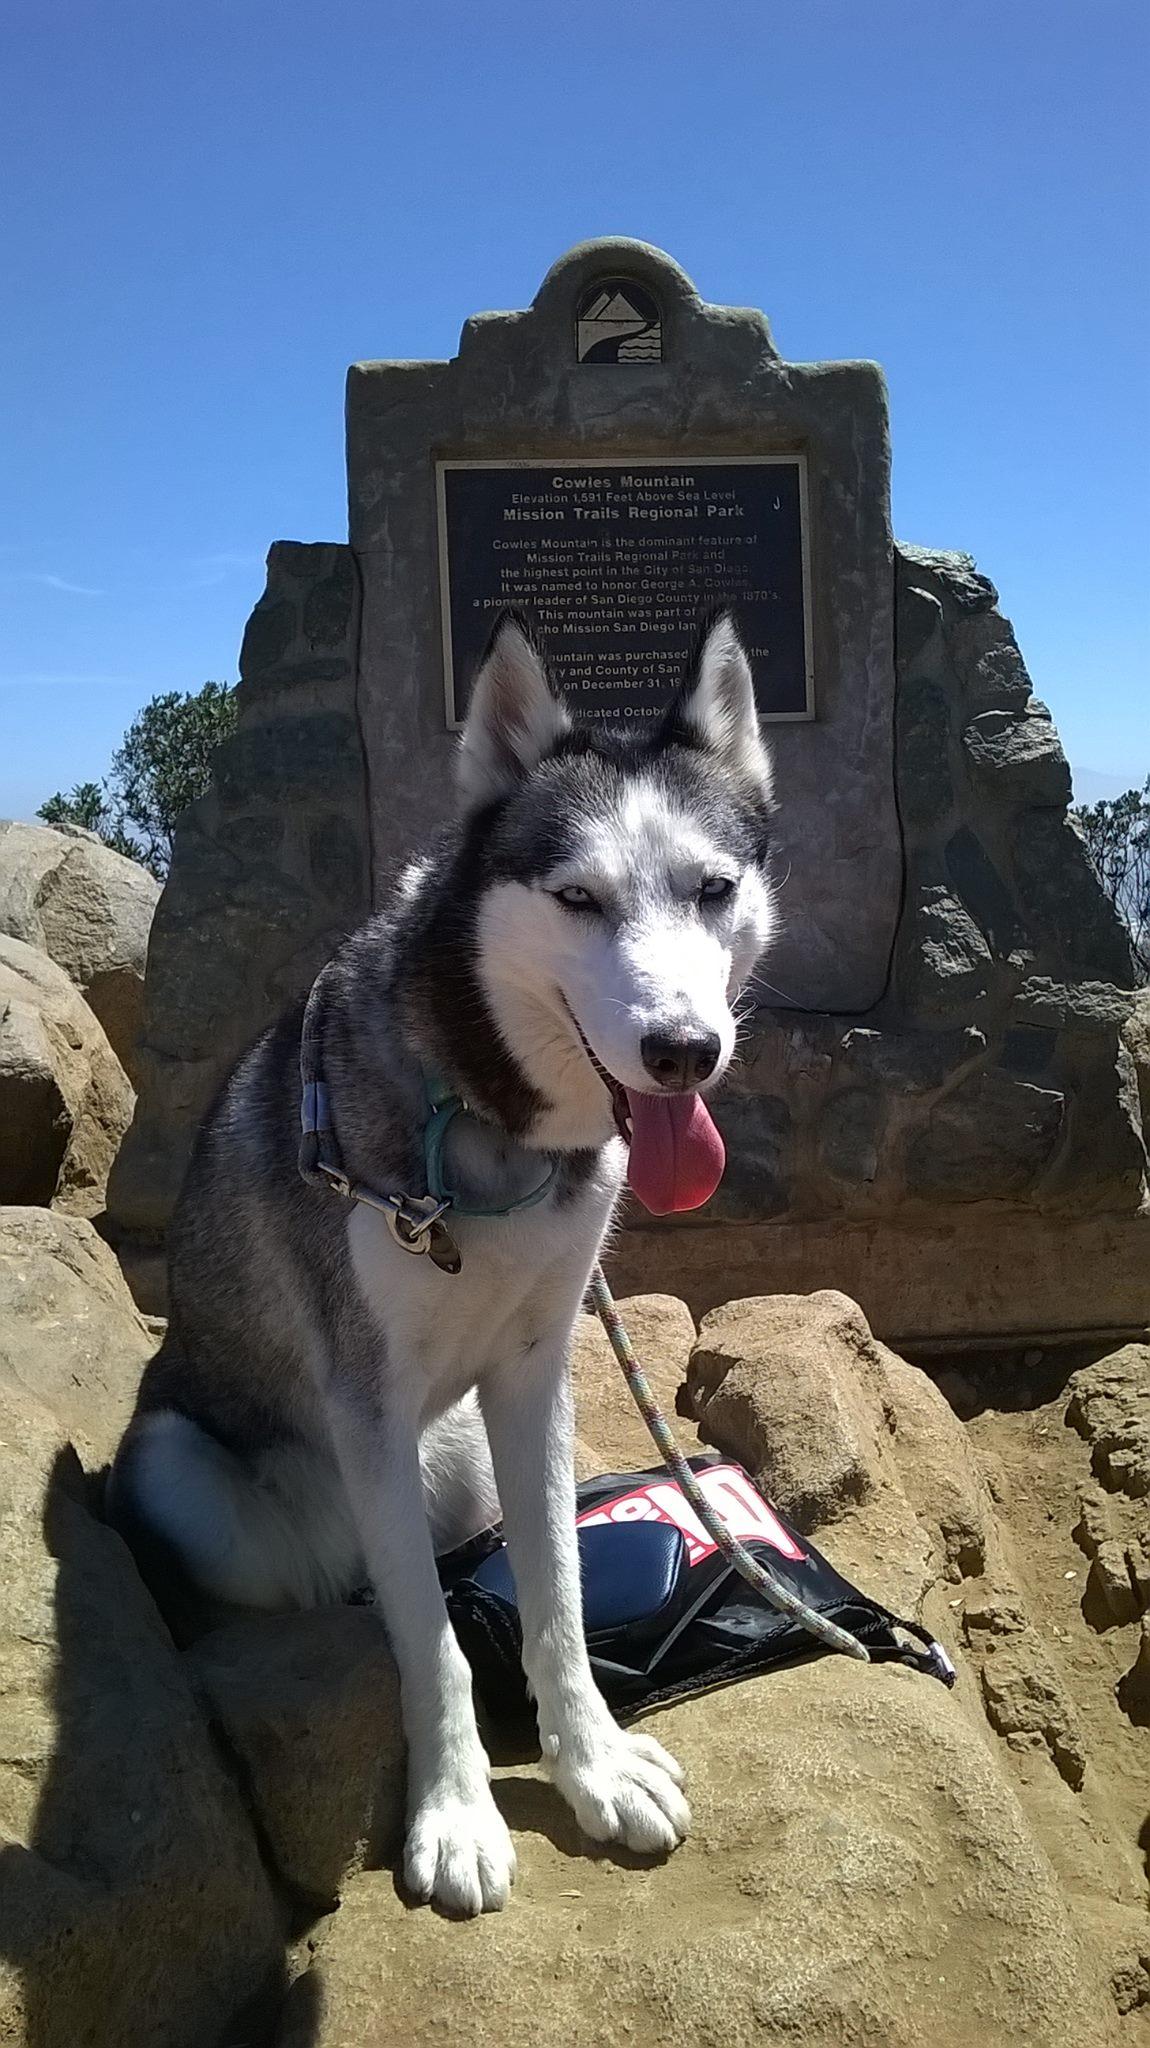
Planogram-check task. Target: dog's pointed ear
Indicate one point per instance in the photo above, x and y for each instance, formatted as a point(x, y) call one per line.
point(513, 719)
point(716, 706)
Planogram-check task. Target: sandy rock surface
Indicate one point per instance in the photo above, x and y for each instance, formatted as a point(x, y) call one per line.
point(829, 1894)
point(842, 1433)
point(65, 1100)
point(874, 1860)
point(65, 892)
point(1110, 1407)
point(70, 1333)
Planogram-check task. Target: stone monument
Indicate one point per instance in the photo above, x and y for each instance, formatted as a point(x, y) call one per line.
point(937, 1112)
point(618, 497)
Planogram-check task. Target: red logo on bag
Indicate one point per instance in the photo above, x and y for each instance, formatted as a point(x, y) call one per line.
point(739, 1506)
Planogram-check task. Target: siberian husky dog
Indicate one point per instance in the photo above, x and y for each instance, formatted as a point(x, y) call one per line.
point(327, 1408)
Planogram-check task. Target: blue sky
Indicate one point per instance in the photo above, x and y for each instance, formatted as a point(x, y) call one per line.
point(209, 212)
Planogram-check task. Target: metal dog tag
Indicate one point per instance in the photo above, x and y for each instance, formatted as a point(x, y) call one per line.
point(445, 1253)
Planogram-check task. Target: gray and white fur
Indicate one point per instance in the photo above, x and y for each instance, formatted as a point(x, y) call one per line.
point(326, 1407)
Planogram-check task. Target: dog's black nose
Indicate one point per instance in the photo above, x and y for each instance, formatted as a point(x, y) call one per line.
point(680, 1062)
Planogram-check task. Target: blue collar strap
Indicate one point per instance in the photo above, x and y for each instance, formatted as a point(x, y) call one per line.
point(442, 1107)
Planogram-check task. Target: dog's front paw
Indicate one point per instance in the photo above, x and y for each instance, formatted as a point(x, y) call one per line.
point(625, 1788)
point(459, 1853)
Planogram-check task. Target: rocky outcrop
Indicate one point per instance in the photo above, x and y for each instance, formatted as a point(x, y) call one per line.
point(874, 1858)
point(1024, 1697)
point(860, 1872)
point(1134, 1699)
point(65, 1100)
point(862, 1868)
point(90, 910)
point(1110, 1407)
point(833, 1424)
point(70, 1334)
point(133, 1904)
point(998, 1071)
point(1000, 1064)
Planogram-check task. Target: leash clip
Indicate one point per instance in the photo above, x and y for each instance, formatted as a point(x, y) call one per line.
point(411, 1218)
point(415, 1223)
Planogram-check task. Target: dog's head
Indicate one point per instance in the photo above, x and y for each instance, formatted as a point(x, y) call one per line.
point(625, 896)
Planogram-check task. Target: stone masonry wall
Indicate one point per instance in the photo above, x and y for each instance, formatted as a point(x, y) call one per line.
point(993, 1069)
point(270, 870)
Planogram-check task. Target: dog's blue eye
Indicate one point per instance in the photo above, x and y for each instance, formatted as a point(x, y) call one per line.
point(715, 888)
point(576, 898)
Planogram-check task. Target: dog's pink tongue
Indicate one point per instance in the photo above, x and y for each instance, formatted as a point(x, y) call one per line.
point(677, 1156)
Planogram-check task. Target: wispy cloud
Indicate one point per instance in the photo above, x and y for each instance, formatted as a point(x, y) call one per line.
point(228, 560)
point(200, 572)
point(206, 570)
point(50, 582)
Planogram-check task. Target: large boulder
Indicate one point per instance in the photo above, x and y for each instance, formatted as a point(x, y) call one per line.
point(861, 1449)
point(840, 1431)
point(874, 1858)
point(133, 1903)
point(1110, 1407)
point(65, 1100)
point(788, 1384)
point(90, 910)
point(612, 1434)
point(861, 1867)
point(860, 1872)
point(69, 1330)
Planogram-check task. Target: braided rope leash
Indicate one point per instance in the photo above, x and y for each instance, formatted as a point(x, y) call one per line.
point(757, 1575)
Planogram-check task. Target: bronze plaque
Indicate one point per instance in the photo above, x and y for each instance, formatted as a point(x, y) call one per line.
point(618, 562)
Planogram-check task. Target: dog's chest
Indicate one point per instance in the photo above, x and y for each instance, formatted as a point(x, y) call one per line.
point(520, 1284)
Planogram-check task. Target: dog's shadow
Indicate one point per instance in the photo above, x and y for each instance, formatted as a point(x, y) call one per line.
point(531, 1806)
point(97, 1905)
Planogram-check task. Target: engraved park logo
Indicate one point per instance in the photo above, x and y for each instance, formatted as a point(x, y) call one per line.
point(617, 321)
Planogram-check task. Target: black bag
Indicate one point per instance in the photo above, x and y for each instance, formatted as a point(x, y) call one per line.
point(664, 1612)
